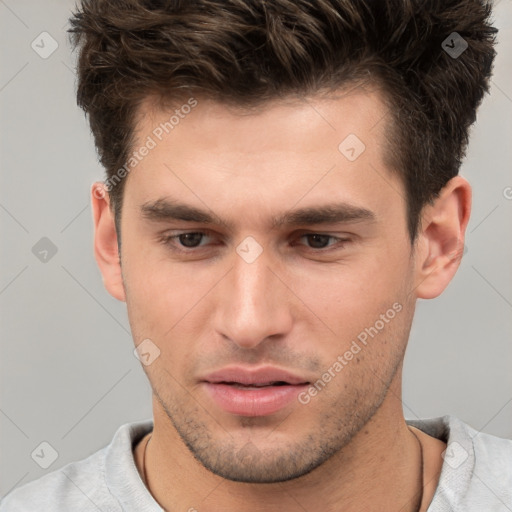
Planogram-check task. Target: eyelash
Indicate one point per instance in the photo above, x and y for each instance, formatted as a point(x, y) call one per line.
point(168, 241)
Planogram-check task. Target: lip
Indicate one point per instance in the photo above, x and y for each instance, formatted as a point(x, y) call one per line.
point(254, 376)
point(253, 392)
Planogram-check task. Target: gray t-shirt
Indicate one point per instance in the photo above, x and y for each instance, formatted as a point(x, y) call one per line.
point(476, 475)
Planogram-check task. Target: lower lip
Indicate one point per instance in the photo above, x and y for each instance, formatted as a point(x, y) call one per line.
point(253, 401)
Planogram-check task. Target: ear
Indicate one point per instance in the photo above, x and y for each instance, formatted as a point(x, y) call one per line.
point(105, 242)
point(440, 244)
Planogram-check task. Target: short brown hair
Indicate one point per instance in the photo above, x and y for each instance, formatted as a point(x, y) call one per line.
point(247, 52)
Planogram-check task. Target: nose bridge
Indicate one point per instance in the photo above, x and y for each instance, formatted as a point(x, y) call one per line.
point(252, 304)
point(251, 281)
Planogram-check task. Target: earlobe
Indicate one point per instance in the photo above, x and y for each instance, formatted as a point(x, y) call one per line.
point(441, 238)
point(105, 242)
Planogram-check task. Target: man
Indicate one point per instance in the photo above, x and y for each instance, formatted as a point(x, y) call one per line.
point(282, 186)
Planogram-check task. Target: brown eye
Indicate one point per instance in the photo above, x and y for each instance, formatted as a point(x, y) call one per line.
point(190, 239)
point(321, 242)
point(186, 241)
point(318, 241)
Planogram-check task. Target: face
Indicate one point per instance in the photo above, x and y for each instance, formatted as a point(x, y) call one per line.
point(266, 257)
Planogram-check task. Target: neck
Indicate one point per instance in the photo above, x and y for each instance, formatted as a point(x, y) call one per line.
point(380, 469)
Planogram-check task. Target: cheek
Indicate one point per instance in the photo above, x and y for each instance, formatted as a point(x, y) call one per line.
point(352, 296)
point(163, 289)
point(166, 303)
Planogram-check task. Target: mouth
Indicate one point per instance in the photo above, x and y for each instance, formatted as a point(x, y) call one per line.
point(253, 392)
point(257, 377)
point(256, 385)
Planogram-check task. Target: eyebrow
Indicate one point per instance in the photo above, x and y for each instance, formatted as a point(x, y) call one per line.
point(168, 210)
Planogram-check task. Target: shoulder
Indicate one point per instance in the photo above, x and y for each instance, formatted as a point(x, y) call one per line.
point(477, 467)
point(488, 456)
point(492, 472)
point(68, 488)
point(88, 484)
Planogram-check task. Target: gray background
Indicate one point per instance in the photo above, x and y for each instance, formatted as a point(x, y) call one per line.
point(68, 374)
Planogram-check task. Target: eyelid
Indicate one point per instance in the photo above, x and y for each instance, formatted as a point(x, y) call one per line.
point(339, 241)
point(169, 239)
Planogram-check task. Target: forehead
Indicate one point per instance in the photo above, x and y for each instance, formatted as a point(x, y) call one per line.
point(292, 125)
point(278, 153)
point(355, 107)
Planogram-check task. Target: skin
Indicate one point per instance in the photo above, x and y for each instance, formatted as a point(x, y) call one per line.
point(298, 306)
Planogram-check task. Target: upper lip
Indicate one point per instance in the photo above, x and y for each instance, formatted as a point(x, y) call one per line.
point(253, 376)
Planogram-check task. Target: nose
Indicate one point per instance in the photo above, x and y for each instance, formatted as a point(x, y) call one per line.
point(253, 303)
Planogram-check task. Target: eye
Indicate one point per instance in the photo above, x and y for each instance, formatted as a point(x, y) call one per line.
point(189, 240)
point(322, 241)
point(192, 241)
